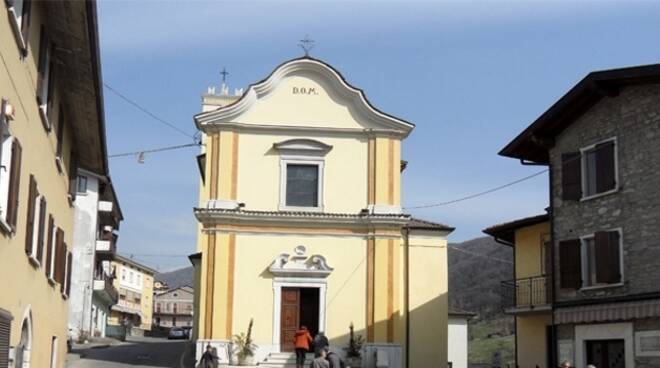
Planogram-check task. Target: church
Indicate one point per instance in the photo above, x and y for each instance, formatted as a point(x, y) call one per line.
point(300, 223)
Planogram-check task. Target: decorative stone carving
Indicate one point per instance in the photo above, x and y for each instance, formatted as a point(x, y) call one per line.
point(300, 265)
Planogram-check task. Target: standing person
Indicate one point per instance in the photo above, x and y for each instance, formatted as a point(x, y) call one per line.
point(301, 341)
point(566, 364)
point(320, 343)
point(334, 359)
point(209, 359)
point(319, 361)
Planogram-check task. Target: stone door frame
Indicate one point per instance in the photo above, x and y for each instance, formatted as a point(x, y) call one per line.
point(284, 282)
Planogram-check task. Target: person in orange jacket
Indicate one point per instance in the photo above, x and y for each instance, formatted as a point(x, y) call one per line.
point(301, 342)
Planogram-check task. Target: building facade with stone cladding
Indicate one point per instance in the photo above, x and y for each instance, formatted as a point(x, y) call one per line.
point(605, 236)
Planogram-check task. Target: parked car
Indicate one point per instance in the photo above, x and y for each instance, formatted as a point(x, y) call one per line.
point(188, 331)
point(176, 333)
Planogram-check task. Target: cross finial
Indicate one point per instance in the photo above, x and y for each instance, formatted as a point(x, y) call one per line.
point(307, 44)
point(224, 73)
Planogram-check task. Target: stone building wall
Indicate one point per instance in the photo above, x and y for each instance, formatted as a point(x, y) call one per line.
point(633, 118)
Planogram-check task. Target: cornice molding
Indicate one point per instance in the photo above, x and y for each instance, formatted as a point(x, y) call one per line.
point(211, 217)
point(354, 97)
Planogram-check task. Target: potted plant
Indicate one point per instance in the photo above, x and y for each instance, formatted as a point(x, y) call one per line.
point(354, 349)
point(244, 347)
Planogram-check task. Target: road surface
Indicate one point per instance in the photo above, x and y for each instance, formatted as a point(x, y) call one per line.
point(136, 352)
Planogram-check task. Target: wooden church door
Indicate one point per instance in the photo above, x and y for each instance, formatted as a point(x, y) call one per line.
point(290, 317)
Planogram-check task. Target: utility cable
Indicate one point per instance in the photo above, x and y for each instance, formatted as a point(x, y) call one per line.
point(472, 196)
point(475, 254)
point(144, 110)
point(160, 149)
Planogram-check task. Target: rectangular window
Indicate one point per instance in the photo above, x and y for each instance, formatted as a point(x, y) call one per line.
point(599, 167)
point(10, 171)
point(53, 352)
point(60, 141)
point(590, 172)
point(601, 259)
point(589, 250)
point(34, 232)
point(82, 184)
point(45, 78)
point(5, 334)
point(53, 236)
point(19, 18)
point(302, 185)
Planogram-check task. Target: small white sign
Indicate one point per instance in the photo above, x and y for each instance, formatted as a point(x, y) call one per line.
point(565, 351)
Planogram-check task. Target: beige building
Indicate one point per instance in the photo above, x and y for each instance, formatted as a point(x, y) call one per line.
point(51, 124)
point(174, 307)
point(528, 296)
point(301, 224)
point(135, 283)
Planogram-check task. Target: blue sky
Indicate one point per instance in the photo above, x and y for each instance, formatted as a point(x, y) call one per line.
point(470, 75)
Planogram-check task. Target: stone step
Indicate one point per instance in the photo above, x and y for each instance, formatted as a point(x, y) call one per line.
point(283, 360)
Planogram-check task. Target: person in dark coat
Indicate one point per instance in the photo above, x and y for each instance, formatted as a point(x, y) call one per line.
point(320, 343)
point(334, 359)
point(209, 359)
point(320, 361)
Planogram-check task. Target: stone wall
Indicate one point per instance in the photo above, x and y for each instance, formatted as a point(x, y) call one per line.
point(633, 118)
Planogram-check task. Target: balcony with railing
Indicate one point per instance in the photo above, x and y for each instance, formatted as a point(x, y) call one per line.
point(106, 244)
point(104, 288)
point(527, 295)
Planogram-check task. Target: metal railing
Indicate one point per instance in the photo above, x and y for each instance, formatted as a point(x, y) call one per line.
point(527, 292)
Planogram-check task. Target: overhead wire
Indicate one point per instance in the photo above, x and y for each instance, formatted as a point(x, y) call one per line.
point(146, 111)
point(159, 149)
point(479, 194)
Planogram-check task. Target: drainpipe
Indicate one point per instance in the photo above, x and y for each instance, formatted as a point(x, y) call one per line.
point(406, 295)
point(553, 330)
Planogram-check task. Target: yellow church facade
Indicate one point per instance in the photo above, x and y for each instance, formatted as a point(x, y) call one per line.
point(300, 223)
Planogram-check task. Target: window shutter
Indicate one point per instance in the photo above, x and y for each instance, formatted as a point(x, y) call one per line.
point(41, 67)
point(60, 132)
point(73, 176)
point(63, 274)
point(5, 333)
point(605, 167)
point(608, 257)
point(570, 264)
point(69, 260)
point(29, 236)
point(25, 24)
point(58, 256)
point(571, 176)
point(41, 231)
point(49, 242)
point(51, 87)
point(14, 183)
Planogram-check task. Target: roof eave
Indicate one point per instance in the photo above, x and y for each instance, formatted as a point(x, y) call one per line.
point(531, 145)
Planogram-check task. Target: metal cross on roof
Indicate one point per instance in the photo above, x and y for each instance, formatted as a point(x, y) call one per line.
point(224, 73)
point(307, 44)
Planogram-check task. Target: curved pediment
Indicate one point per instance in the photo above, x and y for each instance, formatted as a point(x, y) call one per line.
point(306, 93)
point(302, 146)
